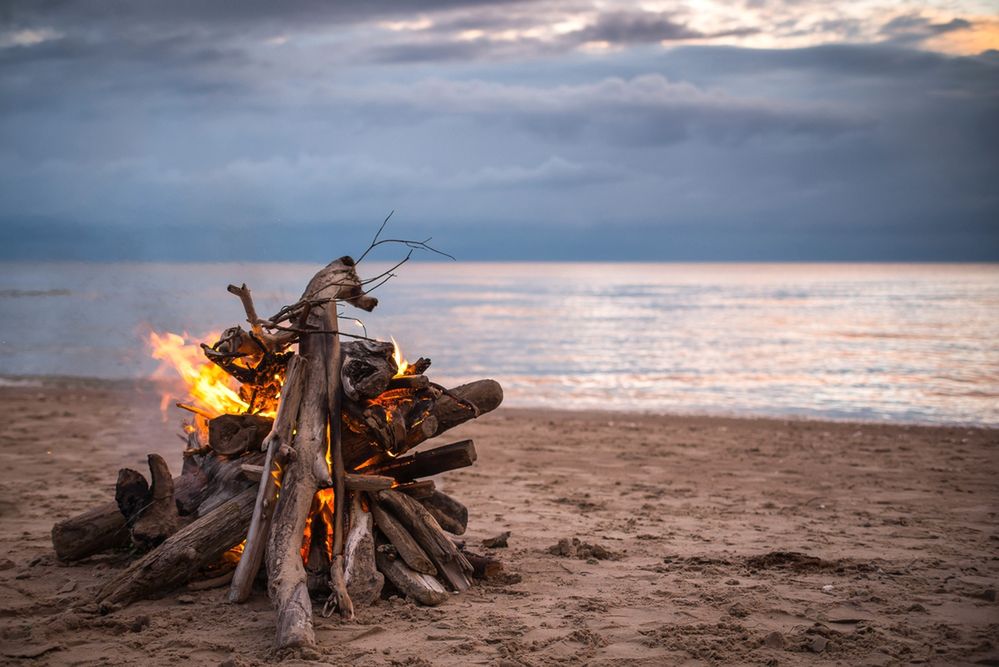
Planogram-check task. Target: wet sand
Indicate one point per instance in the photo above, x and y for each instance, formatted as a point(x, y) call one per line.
point(714, 541)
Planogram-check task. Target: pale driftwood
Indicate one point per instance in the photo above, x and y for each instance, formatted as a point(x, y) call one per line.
point(363, 580)
point(404, 544)
point(339, 597)
point(454, 574)
point(424, 464)
point(450, 514)
point(286, 579)
point(263, 510)
point(421, 587)
point(450, 563)
point(181, 556)
point(287, 583)
point(160, 518)
point(455, 407)
point(252, 472)
point(355, 482)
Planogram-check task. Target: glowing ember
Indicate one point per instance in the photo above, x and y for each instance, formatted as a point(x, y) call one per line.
point(210, 390)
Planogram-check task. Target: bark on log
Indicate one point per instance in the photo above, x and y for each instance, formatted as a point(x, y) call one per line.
point(185, 552)
point(425, 464)
point(131, 492)
point(407, 548)
point(263, 509)
point(98, 529)
point(364, 581)
point(339, 597)
point(367, 369)
point(355, 482)
point(421, 587)
point(231, 435)
point(160, 519)
point(450, 514)
point(450, 563)
point(452, 409)
point(418, 490)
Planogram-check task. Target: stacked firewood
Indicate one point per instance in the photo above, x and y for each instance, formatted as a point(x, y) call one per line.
point(324, 494)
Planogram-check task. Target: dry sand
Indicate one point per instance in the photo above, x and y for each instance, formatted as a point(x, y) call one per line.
point(732, 541)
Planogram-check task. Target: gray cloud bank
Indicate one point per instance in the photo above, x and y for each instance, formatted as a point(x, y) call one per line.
point(217, 131)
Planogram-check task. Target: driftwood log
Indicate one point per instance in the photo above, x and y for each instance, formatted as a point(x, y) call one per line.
point(267, 490)
point(174, 562)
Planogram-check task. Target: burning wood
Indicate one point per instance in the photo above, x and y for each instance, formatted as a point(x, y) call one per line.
point(303, 468)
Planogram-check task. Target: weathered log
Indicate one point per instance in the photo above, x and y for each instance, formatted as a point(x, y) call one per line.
point(160, 518)
point(409, 382)
point(286, 578)
point(454, 574)
point(176, 560)
point(263, 510)
point(231, 435)
point(421, 587)
point(363, 580)
point(339, 597)
point(450, 514)
point(455, 407)
point(356, 482)
point(205, 483)
point(424, 464)
point(404, 544)
point(418, 490)
point(450, 563)
point(131, 492)
point(98, 529)
point(367, 369)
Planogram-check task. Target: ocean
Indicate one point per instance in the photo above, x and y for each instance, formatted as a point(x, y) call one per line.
point(876, 342)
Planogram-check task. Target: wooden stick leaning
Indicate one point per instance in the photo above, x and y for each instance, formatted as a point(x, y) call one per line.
point(263, 510)
point(339, 597)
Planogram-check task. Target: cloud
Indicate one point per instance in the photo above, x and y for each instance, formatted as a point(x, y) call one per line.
point(643, 110)
point(914, 28)
point(486, 117)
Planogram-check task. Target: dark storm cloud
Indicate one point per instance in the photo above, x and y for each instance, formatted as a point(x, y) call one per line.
point(641, 27)
point(913, 28)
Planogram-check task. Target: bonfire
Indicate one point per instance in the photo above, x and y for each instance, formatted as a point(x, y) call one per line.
point(298, 470)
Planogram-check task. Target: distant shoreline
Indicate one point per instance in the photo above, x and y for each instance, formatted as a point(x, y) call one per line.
point(539, 411)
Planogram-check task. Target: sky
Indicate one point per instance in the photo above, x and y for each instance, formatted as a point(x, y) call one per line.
point(791, 130)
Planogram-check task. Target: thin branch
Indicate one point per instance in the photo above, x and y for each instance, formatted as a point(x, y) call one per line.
point(409, 243)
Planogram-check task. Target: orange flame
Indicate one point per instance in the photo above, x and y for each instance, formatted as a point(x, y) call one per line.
point(322, 504)
point(400, 361)
point(210, 390)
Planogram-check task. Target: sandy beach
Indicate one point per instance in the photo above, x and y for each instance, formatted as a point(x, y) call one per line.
point(702, 541)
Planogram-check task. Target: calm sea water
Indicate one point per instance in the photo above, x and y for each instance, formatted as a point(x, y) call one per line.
point(913, 343)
